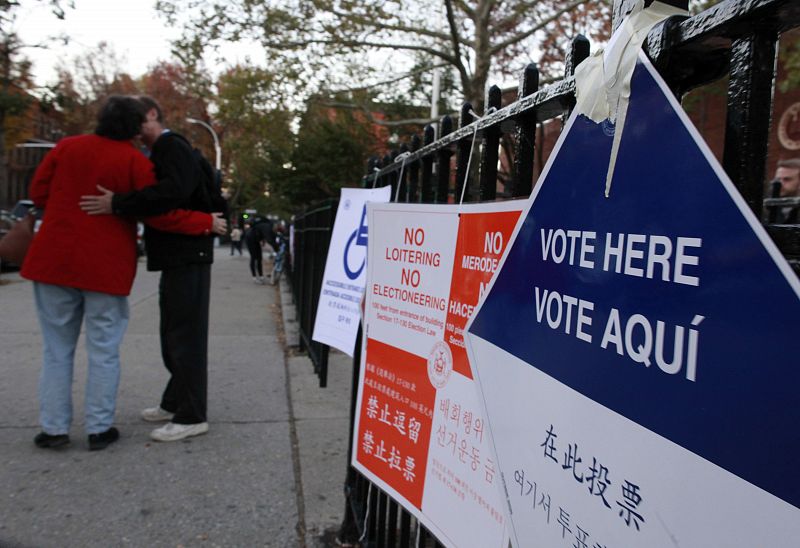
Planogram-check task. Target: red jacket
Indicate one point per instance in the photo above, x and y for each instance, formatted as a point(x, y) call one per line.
point(93, 252)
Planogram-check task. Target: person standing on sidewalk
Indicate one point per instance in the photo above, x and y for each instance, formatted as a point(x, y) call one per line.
point(256, 236)
point(185, 265)
point(83, 267)
point(236, 240)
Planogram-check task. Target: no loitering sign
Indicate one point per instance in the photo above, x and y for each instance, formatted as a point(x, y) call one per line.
point(420, 431)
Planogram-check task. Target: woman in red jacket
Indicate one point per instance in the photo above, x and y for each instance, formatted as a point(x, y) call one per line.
point(83, 267)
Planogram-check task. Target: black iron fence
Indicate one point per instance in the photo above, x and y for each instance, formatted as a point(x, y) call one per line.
point(735, 38)
point(312, 235)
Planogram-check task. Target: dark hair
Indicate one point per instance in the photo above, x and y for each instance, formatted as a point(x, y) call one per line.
point(150, 104)
point(120, 118)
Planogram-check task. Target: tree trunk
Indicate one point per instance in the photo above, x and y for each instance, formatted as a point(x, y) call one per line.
point(483, 60)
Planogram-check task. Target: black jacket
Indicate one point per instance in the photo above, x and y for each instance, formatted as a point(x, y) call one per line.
point(261, 232)
point(179, 186)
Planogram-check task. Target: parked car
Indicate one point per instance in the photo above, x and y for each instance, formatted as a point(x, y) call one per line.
point(6, 222)
point(21, 209)
point(9, 218)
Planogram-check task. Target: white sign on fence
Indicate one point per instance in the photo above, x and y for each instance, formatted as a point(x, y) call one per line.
point(420, 434)
point(338, 312)
point(637, 353)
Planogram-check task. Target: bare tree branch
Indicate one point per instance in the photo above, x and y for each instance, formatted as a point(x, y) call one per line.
point(518, 11)
point(454, 40)
point(400, 28)
point(392, 80)
point(465, 8)
point(360, 43)
point(521, 36)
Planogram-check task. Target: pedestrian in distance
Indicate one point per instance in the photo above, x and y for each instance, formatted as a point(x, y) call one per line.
point(185, 265)
point(82, 267)
point(236, 240)
point(261, 233)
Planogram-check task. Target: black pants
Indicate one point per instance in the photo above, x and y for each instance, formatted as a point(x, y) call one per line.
point(184, 293)
point(236, 246)
point(256, 258)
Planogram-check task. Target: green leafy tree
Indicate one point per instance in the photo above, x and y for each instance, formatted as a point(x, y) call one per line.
point(182, 92)
point(15, 84)
point(15, 78)
point(258, 137)
point(790, 55)
point(332, 148)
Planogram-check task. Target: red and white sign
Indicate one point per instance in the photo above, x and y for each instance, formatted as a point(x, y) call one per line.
point(420, 433)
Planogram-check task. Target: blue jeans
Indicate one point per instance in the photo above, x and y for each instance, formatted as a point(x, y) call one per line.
point(61, 311)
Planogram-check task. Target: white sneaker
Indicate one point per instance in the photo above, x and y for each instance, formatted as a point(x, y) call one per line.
point(174, 432)
point(156, 414)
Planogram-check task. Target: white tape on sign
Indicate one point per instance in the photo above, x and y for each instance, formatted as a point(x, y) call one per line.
point(603, 81)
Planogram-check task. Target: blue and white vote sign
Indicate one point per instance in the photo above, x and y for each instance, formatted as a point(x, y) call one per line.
point(639, 355)
point(338, 310)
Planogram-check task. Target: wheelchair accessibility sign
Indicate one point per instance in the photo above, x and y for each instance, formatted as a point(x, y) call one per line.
point(357, 239)
point(338, 312)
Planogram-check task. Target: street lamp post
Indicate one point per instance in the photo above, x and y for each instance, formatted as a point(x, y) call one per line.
point(217, 148)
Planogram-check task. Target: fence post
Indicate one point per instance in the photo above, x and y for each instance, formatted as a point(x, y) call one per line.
point(413, 172)
point(426, 193)
point(525, 144)
point(462, 154)
point(753, 61)
point(324, 348)
point(579, 50)
point(391, 533)
point(489, 150)
point(313, 266)
point(402, 177)
point(381, 518)
point(391, 178)
point(443, 164)
point(372, 165)
point(405, 529)
point(388, 178)
point(300, 239)
point(371, 524)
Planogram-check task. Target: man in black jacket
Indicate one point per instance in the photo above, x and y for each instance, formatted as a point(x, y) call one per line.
point(185, 265)
point(261, 232)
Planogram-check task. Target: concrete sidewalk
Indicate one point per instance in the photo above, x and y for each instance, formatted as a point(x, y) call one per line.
point(269, 472)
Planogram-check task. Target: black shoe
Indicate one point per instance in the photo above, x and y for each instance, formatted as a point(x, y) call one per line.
point(46, 441)
point(103, 439)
